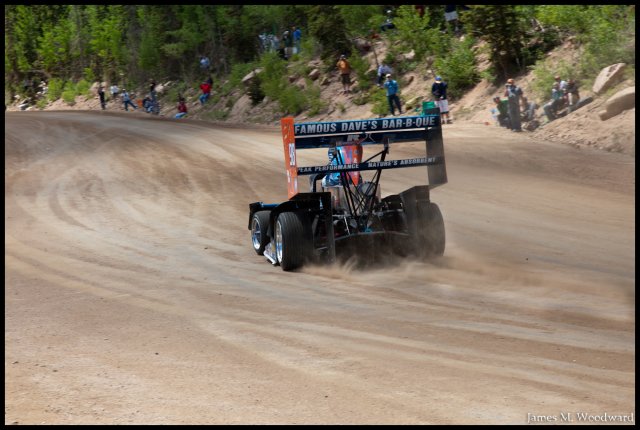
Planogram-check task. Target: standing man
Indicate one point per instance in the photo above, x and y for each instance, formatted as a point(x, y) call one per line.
point(345, 73)
point(513, 94)
point(392, 94)
point(153, 96)
point(103, 103)
point(439, 91)
point(297, 39)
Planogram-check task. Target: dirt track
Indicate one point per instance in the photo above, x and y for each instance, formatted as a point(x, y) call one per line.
point(132, 293)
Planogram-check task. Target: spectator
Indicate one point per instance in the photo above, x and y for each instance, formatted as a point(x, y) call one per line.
point(103, 103)
point(528, 109)
point(345, 73)
point(452, 18)
point(204, 62)
point(392, 94)
point(439, 91)
point(206, 92)
point(388, 22)
point(182, 108)
point(153, 96)
point(115, 91)
point(513, 94)
point(297, 40)
point(126, 100)
point(551, 108)
point(287, 41)
point(502, 107)
point(383, 70)
point(571, 94)
point(561, 83)
point(147, 105)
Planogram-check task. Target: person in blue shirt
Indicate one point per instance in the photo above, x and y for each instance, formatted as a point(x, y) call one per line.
point(297, 39)
point(392, 94)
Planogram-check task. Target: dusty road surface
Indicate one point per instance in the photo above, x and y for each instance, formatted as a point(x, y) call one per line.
point(132, 293)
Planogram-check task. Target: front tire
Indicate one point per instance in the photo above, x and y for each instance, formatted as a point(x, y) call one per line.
point(259, 231)
point(290, 241)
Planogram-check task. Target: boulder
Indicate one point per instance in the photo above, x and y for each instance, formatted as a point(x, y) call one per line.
point(314, 74)
point(608, 77)
point(620, 101)
point(409, 56)
point(362, 45)
point(246, 81)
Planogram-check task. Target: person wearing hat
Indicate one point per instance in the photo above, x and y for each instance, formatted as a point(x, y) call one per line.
point(561, 83)
point(439, 92)
point(392, 94)
point(345, 73)
point(513, 94)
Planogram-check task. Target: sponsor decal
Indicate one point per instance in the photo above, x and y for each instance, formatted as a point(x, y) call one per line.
point(364, 126)
point(370, 165)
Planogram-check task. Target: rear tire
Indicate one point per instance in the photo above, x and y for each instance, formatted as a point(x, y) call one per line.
point(259, 230)
point(290, 241)
point(431, 236)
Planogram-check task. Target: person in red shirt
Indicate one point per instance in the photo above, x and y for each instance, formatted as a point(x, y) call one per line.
point(182, 108)
point(206, 92)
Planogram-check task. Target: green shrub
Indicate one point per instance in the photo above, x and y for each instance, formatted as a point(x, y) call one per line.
point(380, 103)
point(175, 91)
point(292, 100)
point(314, 99)
point(83, 88)
point(360, 68)
point(69, 93)
point(69, 97)
point(458, 68)
point(55, 88)
point(255, 91)
point(238, 72)
point(89, 75)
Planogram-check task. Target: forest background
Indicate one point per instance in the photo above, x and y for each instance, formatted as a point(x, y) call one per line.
point(72, 46)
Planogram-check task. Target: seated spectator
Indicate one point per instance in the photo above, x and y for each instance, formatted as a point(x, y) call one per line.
point(383, 70)
point(556, 102)
point(572, 95)
point(182, 108)
point(528, 109)
point(147, 104)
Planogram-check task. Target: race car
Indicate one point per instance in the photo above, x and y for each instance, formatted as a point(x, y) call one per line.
point(342, 213)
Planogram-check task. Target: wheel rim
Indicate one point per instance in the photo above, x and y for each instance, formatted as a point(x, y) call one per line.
point(256, 234)
point(279, 241)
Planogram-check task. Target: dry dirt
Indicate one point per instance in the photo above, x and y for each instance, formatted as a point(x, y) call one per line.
point(133, 295)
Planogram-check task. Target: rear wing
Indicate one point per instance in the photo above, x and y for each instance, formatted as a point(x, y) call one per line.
point(365, 132)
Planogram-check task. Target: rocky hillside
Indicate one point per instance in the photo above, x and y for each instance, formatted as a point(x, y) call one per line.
point(582, 128)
